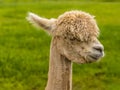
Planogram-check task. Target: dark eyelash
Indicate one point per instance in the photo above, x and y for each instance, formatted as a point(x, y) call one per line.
point(72, 39)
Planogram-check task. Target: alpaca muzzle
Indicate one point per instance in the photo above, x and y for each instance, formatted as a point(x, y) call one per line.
point(96, 53)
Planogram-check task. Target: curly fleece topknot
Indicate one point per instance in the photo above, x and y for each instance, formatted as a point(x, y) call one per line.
point(76, 24)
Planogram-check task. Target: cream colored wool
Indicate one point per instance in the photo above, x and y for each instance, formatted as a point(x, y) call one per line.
point(76, 24)
point(74, 39)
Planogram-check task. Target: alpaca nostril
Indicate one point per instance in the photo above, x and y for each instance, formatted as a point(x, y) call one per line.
point(98, 48)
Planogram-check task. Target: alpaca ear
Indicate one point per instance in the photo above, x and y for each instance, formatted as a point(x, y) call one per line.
point(38, 22)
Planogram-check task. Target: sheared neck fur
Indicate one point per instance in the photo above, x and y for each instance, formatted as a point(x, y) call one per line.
point(60, 71)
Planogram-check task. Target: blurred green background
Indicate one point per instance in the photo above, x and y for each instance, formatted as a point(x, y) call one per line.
point(24, 51)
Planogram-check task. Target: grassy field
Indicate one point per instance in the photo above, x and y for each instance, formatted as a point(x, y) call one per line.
point(24, 51)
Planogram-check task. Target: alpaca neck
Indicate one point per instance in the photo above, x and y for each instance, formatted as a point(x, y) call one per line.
point(60, 71)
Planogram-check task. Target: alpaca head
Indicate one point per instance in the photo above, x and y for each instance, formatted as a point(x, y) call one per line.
point(75, 35)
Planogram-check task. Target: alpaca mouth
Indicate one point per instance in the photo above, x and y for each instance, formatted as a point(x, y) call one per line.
point(95, 57)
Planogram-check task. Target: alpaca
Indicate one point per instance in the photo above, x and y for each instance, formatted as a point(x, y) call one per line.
point(74, 39)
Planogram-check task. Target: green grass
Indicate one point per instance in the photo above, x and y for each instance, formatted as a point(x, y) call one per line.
point(24, 51)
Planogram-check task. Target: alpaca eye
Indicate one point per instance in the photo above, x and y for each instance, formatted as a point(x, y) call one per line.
point(82, 48)
point(75, 40)
point(72, 39)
